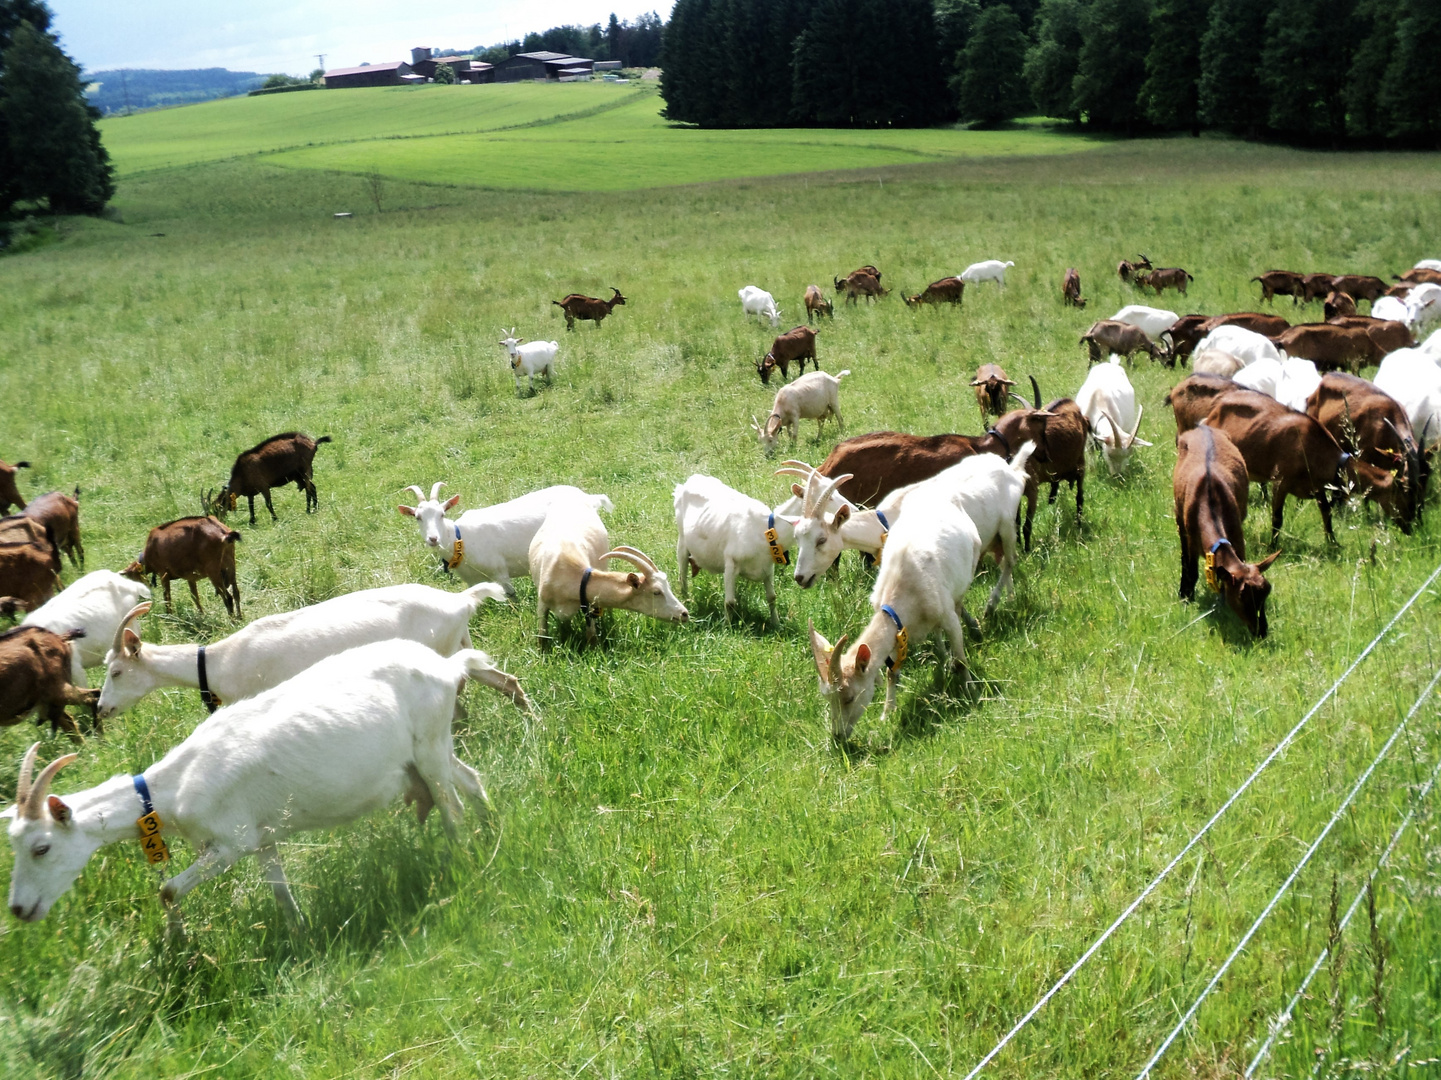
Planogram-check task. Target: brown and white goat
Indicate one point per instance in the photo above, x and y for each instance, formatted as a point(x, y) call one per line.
point(817, 304)
point(1211, 487)
point(59, 514)
point(35, 677)
point(191, 548)
point(1071, 288)
point(948, 290)
point(279, 460)
point(9, 493)
point(579, 306)
point(796, 344)
point(993, 387)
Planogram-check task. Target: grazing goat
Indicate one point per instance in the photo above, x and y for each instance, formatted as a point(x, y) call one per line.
point(993, 388)
point(1422, 274)
point(1181, 336)
point(1107, 336)
point(1245, 345)
point(279, 460)
point(1108, 402)
point(817, 304)
point(567, 561)
point(1339, 303)
point(59, 514)
point(986, 270)
point(1299, 378)
point(1413, 379)
point(1388, 334)
point(1276, 283)
point(761, 304)
point(22, 529)
point(35, 677)
point(530, 358)
point(490, 543)
point(1192, 398)
point(1153, 322)
point(1264, 377)
point(798, 343)
point(1368, 422)
point(191, 548)
point(811, 397)
point(1170, 277)
point(1215, 362)
point(1127, 270)
point(29, 575)
point(97, 604)
point(279, 647)
point(1060, 457)
point(340, 740)
point(1391, 309)
point(9, 493)
point(860, 283)
point(929, 564)
point(1360, 286)
point(1432, 345)
point(1255, 321)
point(1211, 487)
point(948, 290)
point(1071, 288)
point(1331, 347)
point(581, 307)
point(1316, 286)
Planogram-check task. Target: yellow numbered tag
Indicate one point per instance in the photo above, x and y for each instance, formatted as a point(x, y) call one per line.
point(881, 550)
point(901, 642)
point(1211, 571)
point(150, 839)
point(459, 556)
point(778, 554)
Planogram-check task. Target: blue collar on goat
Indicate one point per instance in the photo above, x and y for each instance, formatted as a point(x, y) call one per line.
point(901, 641)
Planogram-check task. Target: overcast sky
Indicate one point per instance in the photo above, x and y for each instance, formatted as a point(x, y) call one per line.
point(284, 35)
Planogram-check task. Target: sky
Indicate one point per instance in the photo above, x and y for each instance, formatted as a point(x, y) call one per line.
point(285, 35)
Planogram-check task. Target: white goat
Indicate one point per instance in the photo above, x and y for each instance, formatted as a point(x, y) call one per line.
point(1413, 378)
point(1263, 376)
point(279, 647)
point(1392, 308)
point(97, 604)
point(1151, 321)
point(1299, 379)
point(1108, 402)
point(987, 270)
point(530, 358)
point(1245, 345)
point(1432, 345)
point(490, 543)
point(1423, 303)
point(930, 559)
point(1428, 264)
point(1215, 362)
point(814, 396)
point(340, 740)
point(758, 302)
point(567, 561)
point(830, 524)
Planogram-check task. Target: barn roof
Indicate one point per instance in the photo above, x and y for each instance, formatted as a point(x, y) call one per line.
point(390, 66)
point(570, 61)
point(544, 57)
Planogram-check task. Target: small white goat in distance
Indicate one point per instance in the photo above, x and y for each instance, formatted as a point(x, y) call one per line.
point(1108, 402)
point(340, 740)
point(279, 647)
point(986, 270)
point(930, 559)
point(756, 301)
point(567, 561)
point(97, 604)
point(813, 396)
point(490, 543)
point(530, 358)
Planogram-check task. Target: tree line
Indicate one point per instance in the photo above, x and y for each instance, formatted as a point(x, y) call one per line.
point(1334, 73)
point(634, 44)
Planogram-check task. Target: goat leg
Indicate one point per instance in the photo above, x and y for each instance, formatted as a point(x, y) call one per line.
point(274, 873)
point(195, 595)
point(266, 496)
point(1324, 503)
point(1080, 496)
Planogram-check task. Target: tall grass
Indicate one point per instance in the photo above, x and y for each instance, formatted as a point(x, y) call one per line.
point(684, 877)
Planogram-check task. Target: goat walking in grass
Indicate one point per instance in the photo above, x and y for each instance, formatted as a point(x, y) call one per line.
point(530, 358)
point(811, 397)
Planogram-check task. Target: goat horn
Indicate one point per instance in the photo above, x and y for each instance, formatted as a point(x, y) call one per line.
point(1037, 388)
point(35, 796)
point(419, 495)
point(435, 489)
point(1140, 409)
point(1008, 382)
point(630, 555)
point(27, 767)
point(1018, 397)
point(799, 465)
point(825, 496)
point(134, 613)
point(978, 382)
point(792, 472)
point(809, 500)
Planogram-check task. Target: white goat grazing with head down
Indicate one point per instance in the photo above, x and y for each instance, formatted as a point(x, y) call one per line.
point(279, 647)
point(813, 396)
point(987, 270)
point(1152, 322)
point(1299, 379)
point(340, 740)
point(1108, 402)
point(567, 561)
point(1245, 345)
point(97, 604)
point(1413, 378)
point(491, 543)
point(756, 301)
point(530, 358)
point(930, 559)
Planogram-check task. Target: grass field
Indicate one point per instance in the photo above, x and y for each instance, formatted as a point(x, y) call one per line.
point(684, 877)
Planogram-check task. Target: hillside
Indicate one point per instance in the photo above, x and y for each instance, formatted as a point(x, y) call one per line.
point(149, 88)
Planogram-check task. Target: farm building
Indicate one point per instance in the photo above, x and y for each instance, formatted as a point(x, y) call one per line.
point(541, 65)
point(467, 70)
point(395, 73)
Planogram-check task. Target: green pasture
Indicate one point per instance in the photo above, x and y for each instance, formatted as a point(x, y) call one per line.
point(684, 877)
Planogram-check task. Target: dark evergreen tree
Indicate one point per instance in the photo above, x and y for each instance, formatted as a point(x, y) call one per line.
point(643, 41)
point(1304, 63)
point(1115, 38)
point(1173, 66)
point(1411, 92)
point(692, 70)
point(614, 39)
point(1050, 67)
point(1362, 95)
point(54, 151)
point(1231, 95)
point(990, 87)
point(12, 14)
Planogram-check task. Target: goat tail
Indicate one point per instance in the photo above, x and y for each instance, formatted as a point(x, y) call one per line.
point(21, 465)
point(1023, 455)
point(602, 502)
point(557, 303)
point(842, 374)
point(232, 537)
point(323, 438)
point(486, 590)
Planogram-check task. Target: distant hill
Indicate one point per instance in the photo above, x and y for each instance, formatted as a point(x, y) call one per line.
point(148, 88)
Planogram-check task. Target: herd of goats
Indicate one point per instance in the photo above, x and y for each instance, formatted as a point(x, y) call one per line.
point(327, 712)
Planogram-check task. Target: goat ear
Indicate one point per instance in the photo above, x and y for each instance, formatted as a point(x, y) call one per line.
point(821, 652)
point(58, 810)
point(863, 657)
point(132, 642)
point(798, 491)
point(633, 579)
point(842, 516)
point(450, 502)
point(1267, 561)
point(9, 812)
point(795, 522)
point(1141, 442)
point(408, 511)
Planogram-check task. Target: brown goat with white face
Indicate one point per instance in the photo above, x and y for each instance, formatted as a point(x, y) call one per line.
point(9, 493)
point(190, 549)
point(60, 515)
point(993, 388)
point(1210, 487)
point(35, 677)
point(279, 460)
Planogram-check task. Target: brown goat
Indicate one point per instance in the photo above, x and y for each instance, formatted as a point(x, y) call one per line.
point(1071, 288)
point(578, 306)
point(1421, 275)
point(1330, 347)
point(20, 529)
point(1276, 283)
point(1316, 286)
point(1170, 277)
point(1060, 456)
point(1127, 270)
point(798, 343)
point(860, 283)
point(60, 515)
point(1255, 321)
point(993, 387)
point(1359, 286)
point(1109, 336)
point(35, 677)
point(1193, 397)
point(9, 493)
point(1388, 334)
point(279, 460)
point(817, 304)
point(29, 574)
point(1211, 487)
point(1185, 333)
point(1371, 424)
point(948, 290)
point(1338, 304)
point(191, 548)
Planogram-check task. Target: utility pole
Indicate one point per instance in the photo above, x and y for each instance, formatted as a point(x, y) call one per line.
point(125, 88)
point(321, 58)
